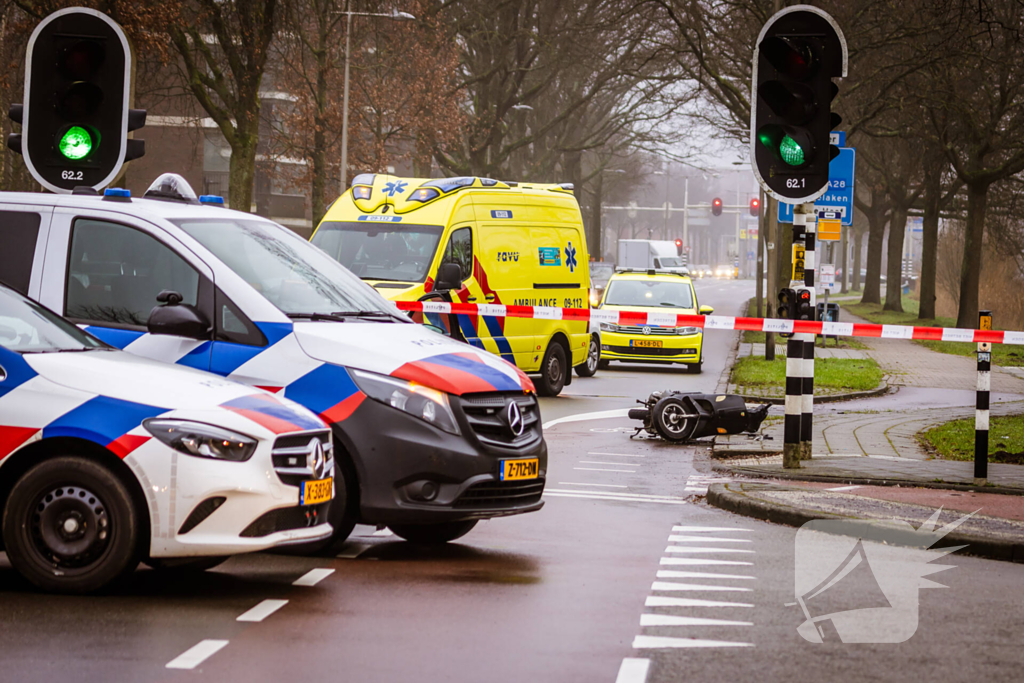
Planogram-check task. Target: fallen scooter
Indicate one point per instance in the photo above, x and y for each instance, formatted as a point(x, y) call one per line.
point(687, 415)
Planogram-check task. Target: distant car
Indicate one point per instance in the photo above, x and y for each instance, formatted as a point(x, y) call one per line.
point(725, 272)
point(649, 292)
point(701, 270)
point(107, 459)
point(600, 273)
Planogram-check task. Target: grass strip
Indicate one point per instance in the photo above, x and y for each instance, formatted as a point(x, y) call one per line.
point(831, 373)
point(955, 440)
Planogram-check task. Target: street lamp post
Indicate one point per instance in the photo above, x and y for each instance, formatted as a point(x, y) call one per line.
point(397, 16)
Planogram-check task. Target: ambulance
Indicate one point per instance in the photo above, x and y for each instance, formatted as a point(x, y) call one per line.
point(474, 240)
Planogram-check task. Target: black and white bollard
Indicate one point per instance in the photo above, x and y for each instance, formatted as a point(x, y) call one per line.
point(981, 407)
point(794, 402)
point(807, 402)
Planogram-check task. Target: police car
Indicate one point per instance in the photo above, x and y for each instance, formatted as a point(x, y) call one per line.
point(107, 459)
point(430, 435)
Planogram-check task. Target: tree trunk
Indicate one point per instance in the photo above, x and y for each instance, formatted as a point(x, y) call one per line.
point(930, 249)
point(594, 233)
point(876, 240)
point(242, 171)
point(894, 263)
point(318, 193)
point(974, 238)
point(844, 261)
point(858, 250)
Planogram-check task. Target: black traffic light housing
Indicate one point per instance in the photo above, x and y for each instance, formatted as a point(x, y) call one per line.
point(679, 247)
point(799, 52)
point(804, 309)
point(716, 207)
point(786, 306)
point(75, 118)
point(755, 206)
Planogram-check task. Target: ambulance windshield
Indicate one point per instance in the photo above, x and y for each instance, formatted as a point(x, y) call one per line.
point(381, 251)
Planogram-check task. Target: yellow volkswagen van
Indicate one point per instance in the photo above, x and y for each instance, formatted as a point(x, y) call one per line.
point(474, 240)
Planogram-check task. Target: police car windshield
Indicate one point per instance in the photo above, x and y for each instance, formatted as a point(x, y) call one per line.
point(380, 251)
point(27, 327)
point(293, 275)
point(649, 293)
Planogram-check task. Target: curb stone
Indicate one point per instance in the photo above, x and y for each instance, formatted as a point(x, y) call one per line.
point(732, 498)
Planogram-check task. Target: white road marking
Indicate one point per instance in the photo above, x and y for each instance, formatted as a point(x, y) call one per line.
point(602, 462)
point(843, 488)
point(692, 529)
point(682, 549)
point(615, 493)
point(706, 539)
point(582, 417)
point(383, 532)
point(595, 495)
point(583, 483)
point(633, 670)
point(662, 601)
point(262, 610)
point(695, 561)
point(618, 455)
point(674, 586)
point(672, 620)
point(696, 489)
point(671, 574)
point(313, 577)
point(645, 642)
point(353, 550)
point(197, 654)
point(599, 469)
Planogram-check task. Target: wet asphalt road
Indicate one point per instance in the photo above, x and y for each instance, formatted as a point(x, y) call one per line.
point(551, 596)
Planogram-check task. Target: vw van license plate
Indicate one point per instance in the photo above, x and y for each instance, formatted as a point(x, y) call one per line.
point(316, 492)
point(646, 343)
point(520, 469)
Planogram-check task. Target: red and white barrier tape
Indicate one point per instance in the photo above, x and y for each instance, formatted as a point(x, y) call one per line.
point(719, 322)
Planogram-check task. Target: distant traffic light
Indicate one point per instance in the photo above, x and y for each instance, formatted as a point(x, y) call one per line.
point(679, 247)
point(755, 206)
point(800, 52)
point(75, 118)
point(716, 206)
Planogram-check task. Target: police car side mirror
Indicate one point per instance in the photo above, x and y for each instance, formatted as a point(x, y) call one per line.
point(176, 319)
point(449, 277)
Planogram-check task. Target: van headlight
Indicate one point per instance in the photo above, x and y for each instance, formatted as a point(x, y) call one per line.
point(609, 327)
point(429, 405)
point(201, 440)
point(684, 331)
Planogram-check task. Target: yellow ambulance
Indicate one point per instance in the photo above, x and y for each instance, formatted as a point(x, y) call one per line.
point(475, 240)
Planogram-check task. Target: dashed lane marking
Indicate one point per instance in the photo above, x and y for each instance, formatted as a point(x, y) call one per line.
point(672, 620)
point(583, 483)
point(681, 549)
point(693, 529)
point(618, 455)
point(313, 577)
point(353, 550)
point(675, 586)
point(706, 539)
point(262, 610)
point(197, 654)
point(697, 561)
point(602, 462)
point(383, 532)
point(599, 469)
point(662, 601)
point(633, 670)
point(648, 642)
point(596, 495)
point(614, 493)
point(672, 574)
point(843, 488)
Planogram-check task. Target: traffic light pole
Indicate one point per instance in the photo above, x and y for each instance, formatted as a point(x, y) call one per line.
point(809, 221)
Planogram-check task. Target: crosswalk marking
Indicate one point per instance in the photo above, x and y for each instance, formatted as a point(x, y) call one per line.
point(705, 539)
point(595, 495)
point(676, 586)
point(697, 561)
point(683, 549)
point(616, 493)
point(582, 483)
point(604, 462)
point(672, 620)
point(645, 642)
point(633, 670)
point(670, 574)
point(664, 601)
point(695, 529)
point(600, 469)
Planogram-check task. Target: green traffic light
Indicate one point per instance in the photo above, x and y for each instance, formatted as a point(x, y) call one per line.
point(791, 152)
point(76, 143)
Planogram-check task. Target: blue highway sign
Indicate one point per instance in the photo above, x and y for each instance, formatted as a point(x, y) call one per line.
point(837, 202)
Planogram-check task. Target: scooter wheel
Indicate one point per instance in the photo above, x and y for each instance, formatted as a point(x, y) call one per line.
point(670, 420)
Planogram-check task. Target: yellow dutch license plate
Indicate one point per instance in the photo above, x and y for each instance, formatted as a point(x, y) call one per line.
point(646, 343)
point(520, 469)
point(316, 492)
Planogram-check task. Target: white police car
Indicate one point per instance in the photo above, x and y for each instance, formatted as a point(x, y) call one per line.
point(430, 435)
point(107, 459)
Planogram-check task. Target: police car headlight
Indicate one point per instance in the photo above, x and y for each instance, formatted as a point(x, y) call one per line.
point(609, 327)
point(202, 440)
point(429, 405)
point(683, 331)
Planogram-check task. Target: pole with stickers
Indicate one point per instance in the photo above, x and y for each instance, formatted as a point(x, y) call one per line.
point(981, 415)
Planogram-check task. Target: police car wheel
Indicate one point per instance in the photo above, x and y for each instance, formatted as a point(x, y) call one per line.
point(553, 371)
point(433, 534)
point(70, 526)
point(588, 368)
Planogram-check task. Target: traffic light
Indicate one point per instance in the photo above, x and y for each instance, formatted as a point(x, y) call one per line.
point(75, 119)
point(786, 306)
point(755, 206)
point(799, 52)
point(716, 206)
point(679, 247)
point(804, 309)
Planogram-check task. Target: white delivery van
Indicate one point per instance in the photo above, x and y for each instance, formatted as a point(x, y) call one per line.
point(648, 254)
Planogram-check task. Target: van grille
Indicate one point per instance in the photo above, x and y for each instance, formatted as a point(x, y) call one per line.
point(487, 415)
point(648, 351)
point(501, 494)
